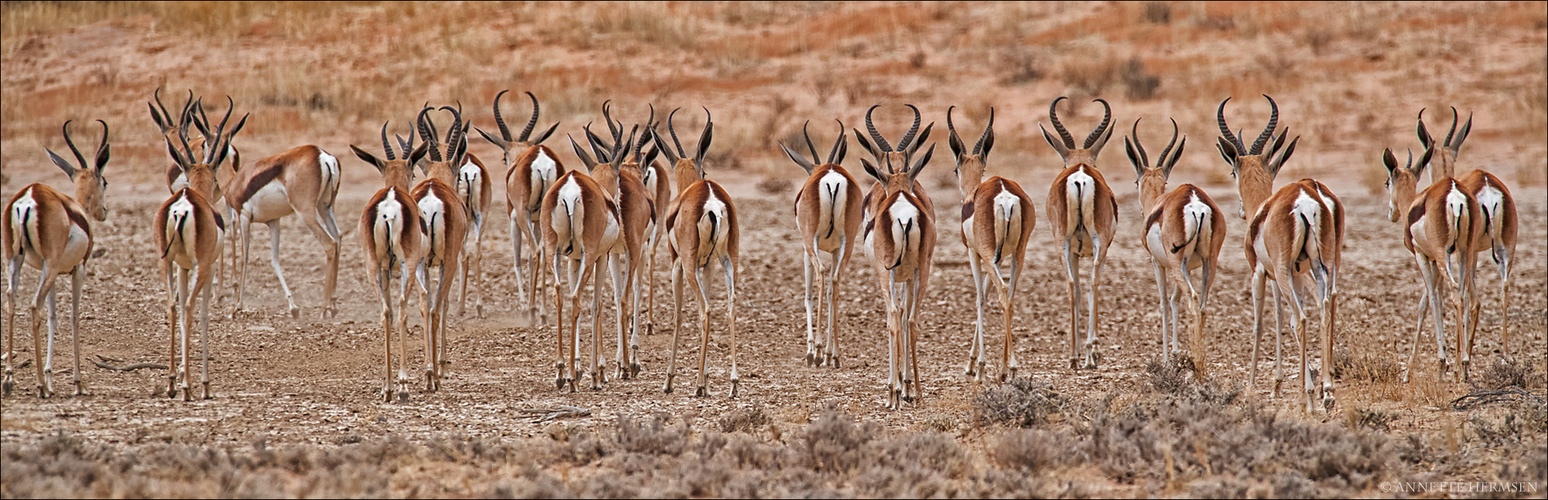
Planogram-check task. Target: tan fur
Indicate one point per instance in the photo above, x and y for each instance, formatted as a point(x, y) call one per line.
point(1498, 238)
point(444, 238)
point(591, 216)
point(524, 190)
point(1444, 236)
point(473, 258)
point(822, 350)
point(1082, 234)
point(693, 250)
point(396, 255)
point(310, 196)
point(189, 242)
point(638, 218)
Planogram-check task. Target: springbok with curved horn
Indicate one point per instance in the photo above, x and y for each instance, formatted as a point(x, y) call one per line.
point(303, 180)
point(389, 233)
point(473, 189)
point(49, 231)
point(901, 233)
point(531, 169)
point(1298, 231)
point(1442, 224)
point(444, 221)
point(1082, 213)
point(188, 235)
point(887, 156)
point(828, 214)
point(1183, 230)
point(997, 223)
point(703, 229)
point(176, 180)
point(1496, 206)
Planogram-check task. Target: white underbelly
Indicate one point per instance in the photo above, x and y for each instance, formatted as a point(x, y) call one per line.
point(269, 203)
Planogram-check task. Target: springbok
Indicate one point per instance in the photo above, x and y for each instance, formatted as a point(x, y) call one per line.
point(189, 238)
point(1298, 231)
point(303, 180)
point(389, 233)
point(531, 169)
point(1183, 230)
point(702, 228)
point(580, 226)
point(445, 224)
point(1441, 224)
point(901, 233)
point(887, 156)
point(997, 223)
point(49, 231)
point(659, 189)
point(1496, 206)
point(1082, 214)
point(176, 180)
point(827, 210)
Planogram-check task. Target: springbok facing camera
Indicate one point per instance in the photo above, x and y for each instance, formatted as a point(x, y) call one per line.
point(828, 214)
point(50, 232)
point(1183, 230)
point(1082, 214)
point(997, 223)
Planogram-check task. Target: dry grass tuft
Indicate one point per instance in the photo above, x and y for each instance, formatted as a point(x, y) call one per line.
point(1019, 402)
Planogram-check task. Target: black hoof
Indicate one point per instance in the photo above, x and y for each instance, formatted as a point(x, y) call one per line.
point(702, 392)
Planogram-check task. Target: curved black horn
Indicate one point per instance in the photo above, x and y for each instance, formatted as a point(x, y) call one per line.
point(1107, 119)
point(1053, 116)
point(673, 131)
point(876, 136)
point(71, 143)
point(836, 154)
point(1453, 130)
point(1144, 159)
point(387, 145)
point(1225, 130)
point(454, 136)
point(165, 116)
point(978, 149)
point(909, 137)
point(531, 122)
point(505, 133)
point(1161, 160)
point(1257, 145)
point(427, 136)
point(614, 130)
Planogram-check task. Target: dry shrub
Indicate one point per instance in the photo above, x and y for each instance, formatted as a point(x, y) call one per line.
point(1033, 450)
point(1020, 64)
point(1019, 402)
point(833, 443)
point(1503, 373)
point(1178, 379)
point(1158, 12)
point(1090, 75)
point(1138, 84)
point(745, 421)
point(1371, 419)
point(1376, 369)
point(653, 436)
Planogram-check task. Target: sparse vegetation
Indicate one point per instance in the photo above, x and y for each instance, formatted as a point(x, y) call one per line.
point(1018, 402)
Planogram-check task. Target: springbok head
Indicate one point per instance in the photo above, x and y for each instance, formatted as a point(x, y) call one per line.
point(886, 154)
point(1065, 145)
point(395, 172)
point(609, 154)
point(456, 145)
point(970, 164)
point(835, 155)
point(1403, 181)
point(1253, 168)
point(1152, 180)
point(1447, 159)
point(200, 169)
point(686, 169)
point(515, 146)
point(89, 182)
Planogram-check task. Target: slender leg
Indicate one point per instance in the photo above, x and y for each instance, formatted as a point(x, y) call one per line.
point(839, 259)
point(185, 298)
point(632, 282)
point(677, 321)
point(1258, 277)
point(1196, 337)
point(597, 377)
point(76, 278)
point(327, 233)
point(911, 370)
point(244, 225)
point(1072, 272)
point(1287, 288)
point(521, 288)
point(615, 268)
point(558, 325)
point(274, 260)
point(13, 267)
point(1279, 343)
point(427, 314)
point(650, 277)
point(383, 276)
point(728, 266)
point(201, 290)
point(539, 251)
point(812, 352)
point(405, 280)
point(698, 284)
point(1092, 354)
point(1433, 288)
point(976, 357)
point(580, 272)
point(1161, 309)
point(1423, 312)
point(1504, 262)
point(894, 344)
point(172, 301)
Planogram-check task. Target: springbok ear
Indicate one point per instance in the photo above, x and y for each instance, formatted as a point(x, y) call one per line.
point(156, 117)
point(416, 157)
point(871, 169)
point(102, 157)
point(366, 157)
point(584, 158)
point(498, 142)
point(796, 157)
point(1167, 169)
point(919, 164)
point(1388, 160)
point(919, 141)
point(956, 146)
point(1283, 157)
point(1058, 145)
point(866, 144)
point(704, 144)
point(1227, 151)
point(1096, 149)
point(70, 170)
point(1456, 145)
point(840, 151)
point(665, 150)
point(172, 149)
point(988, 140)
point(1424, 135)
point(1134, 159)
point(1424, 160)
point(545, 134)
point(650, 156)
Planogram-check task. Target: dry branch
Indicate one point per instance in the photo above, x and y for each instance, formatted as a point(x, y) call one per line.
point(555, 412)
point(109, 364)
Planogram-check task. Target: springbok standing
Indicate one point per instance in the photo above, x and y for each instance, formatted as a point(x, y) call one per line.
point(887, 157)
point(901, 230)
point(1298, 231)
point(828, 214)
point(49, 231)
point(997, 223)
point(303, 180)
point(444, 221)
point(176, 180)
point(189, 238)
point(580, 226)
point(703, 229)
point(1440, 226)
point(1183, 230)
point(1082, 214)
point(389, 233)
point(1496, 206)
point(531, 169)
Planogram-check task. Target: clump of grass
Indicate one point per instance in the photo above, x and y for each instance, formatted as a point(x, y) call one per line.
point(745, 421)
point(834, 442)
point(1372, 419)
point(1019, 402)
point(1179, 379)
point(652, 436)
point(1503, 373)
point(1138, 84)
point(1376, 369)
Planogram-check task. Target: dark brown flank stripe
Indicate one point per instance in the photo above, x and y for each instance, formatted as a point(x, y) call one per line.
point(258, 181)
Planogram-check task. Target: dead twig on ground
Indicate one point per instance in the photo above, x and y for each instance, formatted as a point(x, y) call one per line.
point(555, 412)
point(107, 363)
point(1481, 398)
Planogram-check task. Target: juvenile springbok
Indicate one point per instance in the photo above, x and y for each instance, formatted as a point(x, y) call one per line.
point(1496, 206)
point(888, 157)
point(49, 231)
point(303, 180)
point(702, 228)
point(1440, 227)
point(1298, 231)
point(444, 222)
point(997, 223)
point(1082, 214)
point(1183, 230)
point(189, 238)
point(580, 226)
point(531, 169)
point(901, 232)
point(827, 210)
point(389, 233)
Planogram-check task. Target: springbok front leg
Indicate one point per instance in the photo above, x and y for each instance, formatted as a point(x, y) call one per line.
point(274, 261)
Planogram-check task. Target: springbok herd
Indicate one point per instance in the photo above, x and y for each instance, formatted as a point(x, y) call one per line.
point(623, 204)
